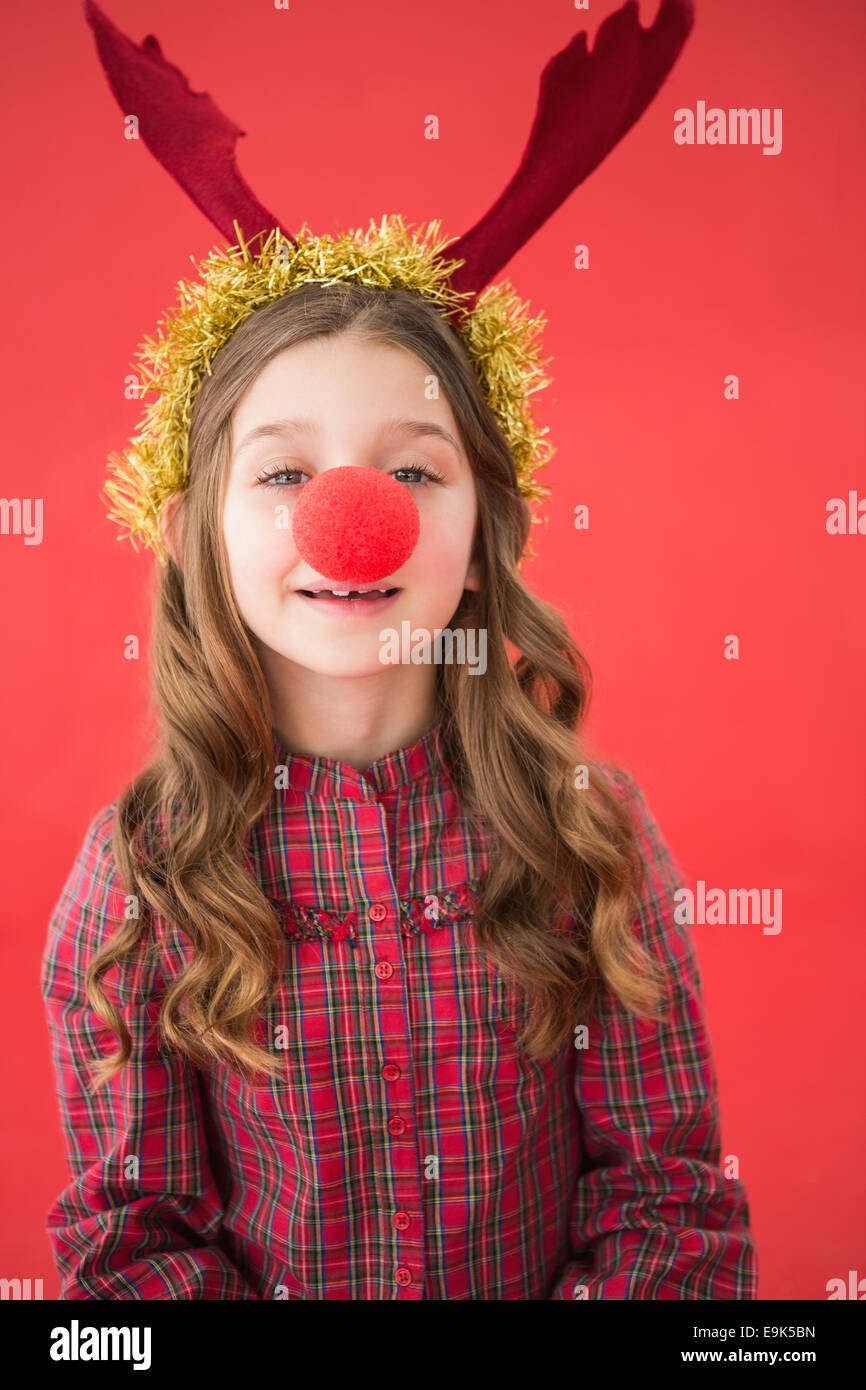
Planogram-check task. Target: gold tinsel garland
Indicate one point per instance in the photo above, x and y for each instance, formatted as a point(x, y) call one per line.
point(501, 340)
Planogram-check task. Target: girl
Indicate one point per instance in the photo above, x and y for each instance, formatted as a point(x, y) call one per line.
point(403, 1010)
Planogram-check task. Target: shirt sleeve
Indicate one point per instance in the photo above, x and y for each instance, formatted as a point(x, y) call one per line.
point(653, 1215)
point(141, 1215)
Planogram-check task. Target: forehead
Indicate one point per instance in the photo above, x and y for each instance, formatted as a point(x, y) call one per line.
point(335, 385)
point(339, 373)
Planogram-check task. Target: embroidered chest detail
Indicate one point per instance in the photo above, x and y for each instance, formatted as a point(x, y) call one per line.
point(423, 912)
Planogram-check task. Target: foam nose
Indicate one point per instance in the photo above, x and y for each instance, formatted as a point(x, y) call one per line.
point(355, 525)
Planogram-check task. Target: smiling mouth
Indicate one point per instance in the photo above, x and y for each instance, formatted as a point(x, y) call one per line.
point(349, 595)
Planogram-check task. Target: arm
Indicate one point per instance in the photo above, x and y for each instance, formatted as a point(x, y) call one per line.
point(141, 1215)
point(654, 1217)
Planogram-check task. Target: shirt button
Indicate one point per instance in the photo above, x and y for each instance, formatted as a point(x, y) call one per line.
point(403, 1275)
point(384, 969)
point(401, 1220)
point(391, 1071)
point(396, 1126)
point(378, 912)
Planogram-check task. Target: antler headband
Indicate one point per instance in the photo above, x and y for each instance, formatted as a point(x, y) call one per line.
point(586, 104)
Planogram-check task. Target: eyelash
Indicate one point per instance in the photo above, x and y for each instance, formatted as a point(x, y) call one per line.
point(267, 479)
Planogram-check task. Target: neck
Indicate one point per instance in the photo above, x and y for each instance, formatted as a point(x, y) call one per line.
point(353, 719)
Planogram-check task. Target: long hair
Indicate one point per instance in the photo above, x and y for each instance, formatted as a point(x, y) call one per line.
point(512, 738)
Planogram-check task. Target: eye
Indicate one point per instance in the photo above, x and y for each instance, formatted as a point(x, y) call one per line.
point(268, 479)
point(422, 471)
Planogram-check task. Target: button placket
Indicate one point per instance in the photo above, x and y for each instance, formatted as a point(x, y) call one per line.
point(384, 913)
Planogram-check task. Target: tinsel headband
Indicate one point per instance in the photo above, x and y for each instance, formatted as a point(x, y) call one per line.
point(498, 335)
point(586, 104)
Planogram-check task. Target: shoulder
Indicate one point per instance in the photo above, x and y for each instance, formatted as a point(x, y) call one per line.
point(92, 883)
point(659, 916)
point(654, 848)
point(623, 783)
point(91, 907)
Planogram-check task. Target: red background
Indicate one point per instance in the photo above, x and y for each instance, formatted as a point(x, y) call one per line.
point(707, 516)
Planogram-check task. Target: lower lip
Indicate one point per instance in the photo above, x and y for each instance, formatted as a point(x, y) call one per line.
point(350, 607)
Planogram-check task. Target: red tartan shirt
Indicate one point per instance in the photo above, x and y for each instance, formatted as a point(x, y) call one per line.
point(408, 1149)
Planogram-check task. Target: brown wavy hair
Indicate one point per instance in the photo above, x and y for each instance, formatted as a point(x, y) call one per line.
point(512, 740)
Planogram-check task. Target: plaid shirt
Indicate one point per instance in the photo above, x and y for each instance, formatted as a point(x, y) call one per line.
point(408, 1148)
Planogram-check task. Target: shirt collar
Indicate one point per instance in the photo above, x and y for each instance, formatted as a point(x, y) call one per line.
point(317, 775)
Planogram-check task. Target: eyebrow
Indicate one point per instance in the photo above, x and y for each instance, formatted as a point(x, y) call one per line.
point(391, 429)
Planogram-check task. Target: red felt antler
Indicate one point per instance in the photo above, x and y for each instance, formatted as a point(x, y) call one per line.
point(587, 102)
point(185, 130)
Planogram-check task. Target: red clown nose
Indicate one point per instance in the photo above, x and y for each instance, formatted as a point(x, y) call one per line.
point(355, 525)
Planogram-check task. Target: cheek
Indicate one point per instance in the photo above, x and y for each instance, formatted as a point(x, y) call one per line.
point(259, 554)
point(446, 535)
point(439, 565)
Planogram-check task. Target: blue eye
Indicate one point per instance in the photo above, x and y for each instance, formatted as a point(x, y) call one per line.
point(422, 472)
point(267, 479)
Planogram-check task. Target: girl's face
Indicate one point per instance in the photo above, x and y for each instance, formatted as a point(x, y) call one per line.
point(348, 392)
